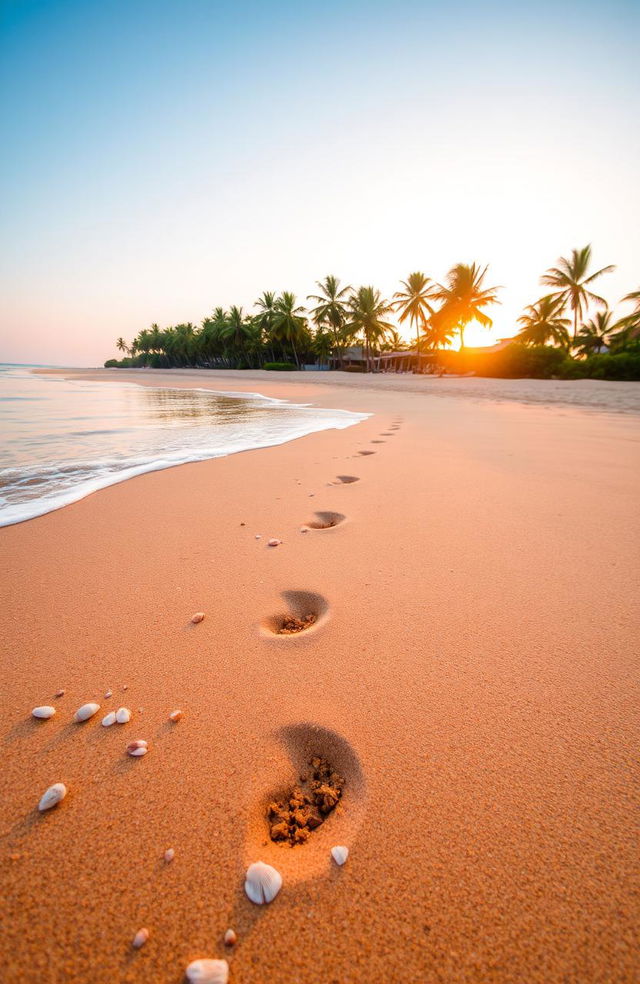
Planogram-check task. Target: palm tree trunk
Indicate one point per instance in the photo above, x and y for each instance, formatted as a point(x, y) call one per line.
point(461, 330)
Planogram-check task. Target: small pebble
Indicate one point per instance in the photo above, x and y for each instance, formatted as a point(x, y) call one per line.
point(207, 972)
point(230, 938)
point(109, 693)
point(169, 855)
point(44, 712)
point(59, 693)
point(85, 712)
point(126, 687)
point(198, 617)
point(258, 536)
point(52, 796)
point(137, 748)
point(175, 716)
point(140, 938)
point(274, 543)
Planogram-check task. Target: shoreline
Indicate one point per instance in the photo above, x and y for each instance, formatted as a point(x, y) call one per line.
point(600, 396)
point(473, 673)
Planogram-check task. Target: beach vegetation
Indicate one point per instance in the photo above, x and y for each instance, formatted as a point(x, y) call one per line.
point(569, 332)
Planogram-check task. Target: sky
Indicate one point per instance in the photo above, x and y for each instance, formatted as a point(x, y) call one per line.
point(163, 158)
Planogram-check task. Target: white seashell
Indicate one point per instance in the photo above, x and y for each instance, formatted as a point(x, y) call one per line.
point(123, 715)
point(109, 719)
point(274, 543)
point(109, 693)
point(86, 711)
point(262, 882)
point(175, 716)
point(258, 536)
point(53, 796)
point(140, 938)
point(169, 854)
point(230, 938)
point(137, 748)
point(340, 854)
point(208, 972)
point(198, 617)
point(43, 712)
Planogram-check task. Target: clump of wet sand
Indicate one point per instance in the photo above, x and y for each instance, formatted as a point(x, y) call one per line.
point(307, 806)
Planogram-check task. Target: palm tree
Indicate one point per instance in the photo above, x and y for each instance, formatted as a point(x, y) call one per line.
point(463, 299)
point(121, 345)
point(266, 316)
point(629, 326)
point(570, 278)
point(413, 303)
point(593, 336)
point(236, 331)
point(394, 342)
point(542, 322)
point(367, 310)
point(331, 308)
point(289, 322)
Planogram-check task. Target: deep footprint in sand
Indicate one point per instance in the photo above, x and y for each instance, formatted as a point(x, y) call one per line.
point(301, 612)
point(366, 452)
point(326, 521)
point(346, 479)
point(378, 442)
point(313, 797)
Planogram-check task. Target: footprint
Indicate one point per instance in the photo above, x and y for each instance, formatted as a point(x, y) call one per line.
point(378, 442)
point(386, 434)
point(366, 452)
point(302, 614)
point(312, 773)
point(348, 479)
point(326, 520)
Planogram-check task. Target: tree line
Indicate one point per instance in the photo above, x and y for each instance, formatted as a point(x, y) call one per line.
point(279, 330)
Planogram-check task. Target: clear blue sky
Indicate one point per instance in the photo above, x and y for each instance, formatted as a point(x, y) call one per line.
point(163, 158)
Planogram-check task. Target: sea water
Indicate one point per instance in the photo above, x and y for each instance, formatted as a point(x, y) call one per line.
point(62, 439)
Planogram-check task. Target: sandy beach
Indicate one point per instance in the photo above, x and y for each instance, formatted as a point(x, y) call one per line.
point(472, 674)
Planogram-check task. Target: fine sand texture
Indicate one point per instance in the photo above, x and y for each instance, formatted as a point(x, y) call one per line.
point(470, 672)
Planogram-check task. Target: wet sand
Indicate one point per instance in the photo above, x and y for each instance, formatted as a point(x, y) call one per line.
point(472, 674)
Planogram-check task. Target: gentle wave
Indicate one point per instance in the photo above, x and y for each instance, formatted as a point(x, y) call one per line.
point(49, 459)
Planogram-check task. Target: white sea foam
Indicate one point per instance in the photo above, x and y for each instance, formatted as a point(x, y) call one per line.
point(64, 439)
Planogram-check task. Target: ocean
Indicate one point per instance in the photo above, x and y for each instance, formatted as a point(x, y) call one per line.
point(62, 439)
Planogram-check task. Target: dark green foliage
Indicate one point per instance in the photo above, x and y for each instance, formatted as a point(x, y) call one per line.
point(624, 365)
point(280, 366)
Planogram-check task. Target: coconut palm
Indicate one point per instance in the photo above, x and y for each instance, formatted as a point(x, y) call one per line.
point(542, 322)
point(289, 322)
point(394, 342)
point(463, 298)
point(121, 345)
point(367, 311)
point(572, 283)
point(593, 336)
point(330, 311)
point(413, 302)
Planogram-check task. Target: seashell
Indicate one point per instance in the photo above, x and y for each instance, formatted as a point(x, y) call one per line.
point(109, 719)
point(140, 938)
point(208, 972)
point(123, 715)
point(85, 712)
point(258, 536)
point(44, 712)
point(109, 693)
point(53, 796)
point(340, 854)
point(175, 715)
point(230, 938)
point(262, 882)
point(274, 543)
point(137, 748)
point(59, 693)
point(198, 617)
point(169, 854)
